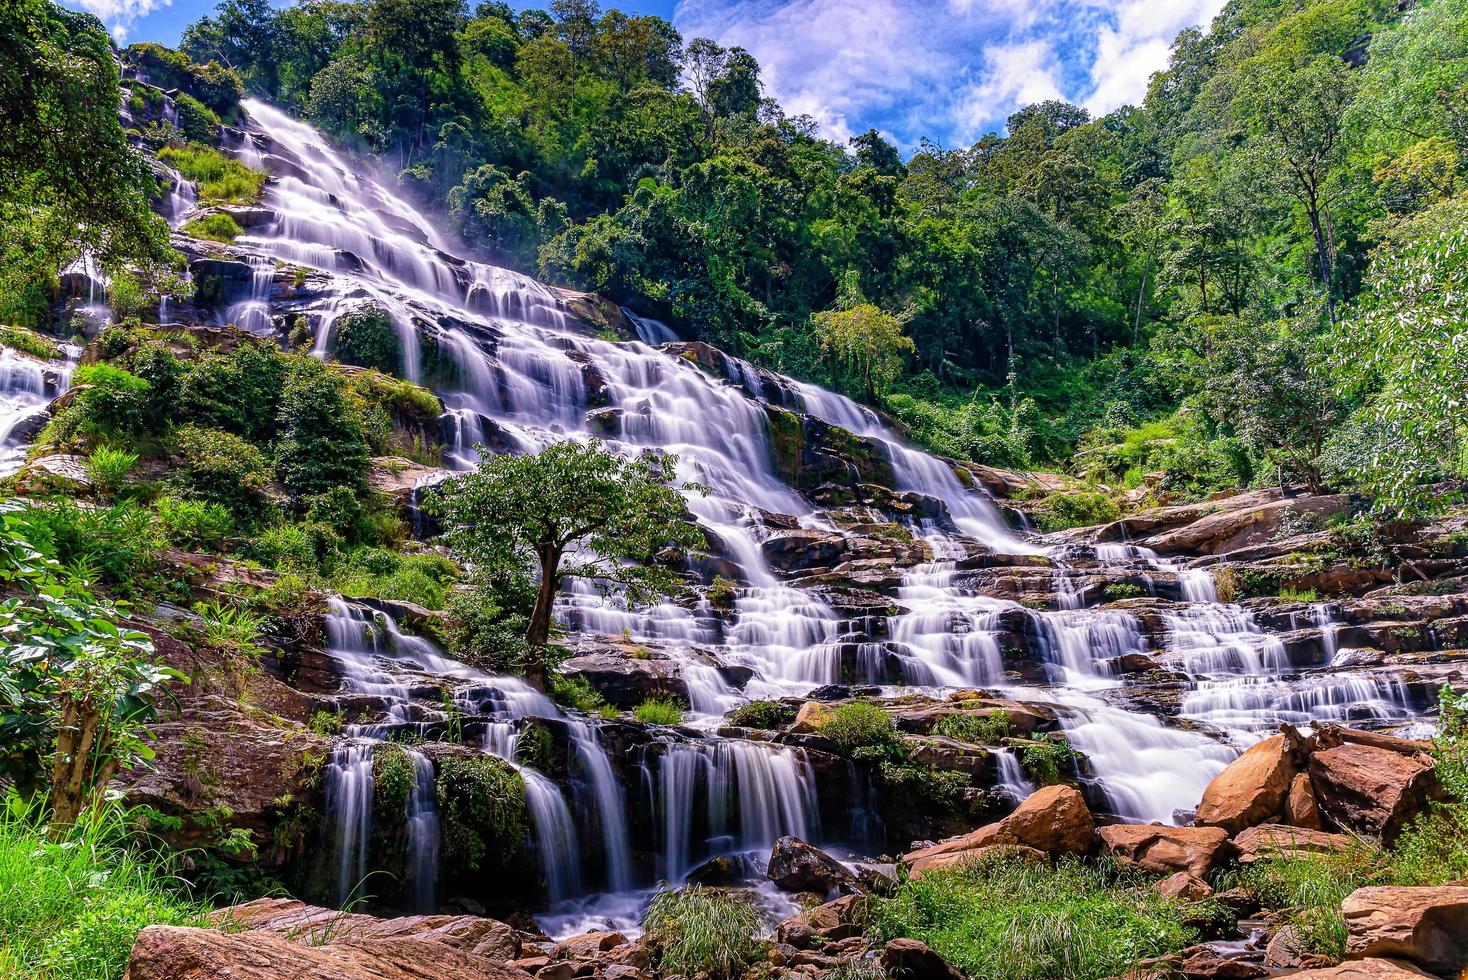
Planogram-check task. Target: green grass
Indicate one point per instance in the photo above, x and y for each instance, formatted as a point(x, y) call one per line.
point(1004, 918)
point(976, 729)
point(216, 227)
point(660, 711)
point(700, 931)
point(29, 343)
point(857, 726)
point(761, 714)
point(221, 179)
point(70, 909)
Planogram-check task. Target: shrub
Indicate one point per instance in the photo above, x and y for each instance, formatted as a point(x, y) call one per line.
point(1434, 848)
point(979, 729)
point(1004, 918)
point(486, 630)
point(30, 343)
point(388, 575)
point(1116, 591)
point(367, 337)
point(196, 121)
point(321, 443)
point(109, 402)
point(238, 391)
point(73, 907)
point(109, 468)
point(194, 525)
point(216, 227)
point(117, 544)
point(221, 468)
point(858, 726)
point(762, 714)
point(660, 711)
point(1076, 508)
point(721, 594)
point(340, 510)
point(221, 179)
point(575, 693)
point(481, 803)
point(392, 784)
point(1046, 757)
point(702, 932)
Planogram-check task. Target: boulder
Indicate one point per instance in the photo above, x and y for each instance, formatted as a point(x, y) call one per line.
point(1370, 789)
point(1233, 527)
point(1253, 787)
point(914, 960)
point(1166, 850)
point(809, 718)
point(1202, 963)
point(627, 677)
point(313, 925)
point(1284, 950)
point(1053, 821)
point(1301, 810)
point(181, 953)
point(1372, 969)
point(1427, 926)
point(587, 946)
point(796, 866)
point(1184, 886)
point(1276, 840)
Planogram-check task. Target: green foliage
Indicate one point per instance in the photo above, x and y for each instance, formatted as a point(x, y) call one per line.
point(218, 226)
point(196, 121)
point(481, 803)
point(698, 931)
point(72, 905)
point(761, 714)
point(1048, 759)
point(1008, 918)
point(420, 578)
point(109, 469)
point(321, 444)
point(867, 343)
point(859, 726)
point(109, 402)
point(29, 342)
point(575, 693)
point(221, 179)
point(1309, 890)
point(988, 729)
point(220, 468)
point(114, 545)
point(1076, 508)
point(367, 337)
point(1434, 849)
point(1116, 591)
point(660, 711)
point(392, 784)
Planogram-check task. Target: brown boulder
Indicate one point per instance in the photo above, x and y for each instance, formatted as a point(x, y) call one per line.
point(1373, 969)
point(1301, 810)
point(1253, 788)
point(1204, 964)
point(1276, 840)
point(1369, 789)
point(1054, 820)
point(796, 866)
point(587, 946)
point(1428, 926)
point(914, 960)
point(1184, 886)
point(1166, 850)
point(179, 953)
point(313, 925)
point(1234, 527)
point(809, 718)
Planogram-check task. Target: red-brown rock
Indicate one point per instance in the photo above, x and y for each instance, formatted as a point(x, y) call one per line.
point(1371, 790)
point(914, 960)
point(1301, 810)
point(1277, 840)
point(1166, 850)
point(1427, 926)
point(1253, 788)
point(1373, 969)
point(179, 953)
point(313, 925)
point(1054, 820)
point(1185, 887)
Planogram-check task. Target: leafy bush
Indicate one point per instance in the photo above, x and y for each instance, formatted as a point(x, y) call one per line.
point(422, 579)
point(1076, 508)
point(481, 803)
point(117, 544)
point(196, 121)
point(1116, 591)
point(29, 342)
point(193, 524)
point(367, 337)
point(392, 784)
point(859, 726)
point(216, 227)
point(222, 179)
point(987, 729)
point(575, 693)
point(72, 907)
point(762, 714)
point(221, 468)
point(1047, 758)
point(1004, 918)
point(238, 391)
point(108, 402)
point(1433, 850)
point(660, 711)
point(321, 443)
point(340, 510)
point(702, 932)
point(109, 468)
point(300, 548)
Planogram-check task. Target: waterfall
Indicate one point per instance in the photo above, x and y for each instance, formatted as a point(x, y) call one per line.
point(349, 811)
point(423, 832)
point(26, 386)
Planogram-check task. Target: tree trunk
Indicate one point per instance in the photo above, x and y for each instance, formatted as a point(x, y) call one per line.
point(538, 635)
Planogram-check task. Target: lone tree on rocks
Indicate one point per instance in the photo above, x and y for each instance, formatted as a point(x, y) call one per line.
point(573, 510)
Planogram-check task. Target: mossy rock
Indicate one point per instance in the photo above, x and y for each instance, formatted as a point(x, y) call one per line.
point(368, 338)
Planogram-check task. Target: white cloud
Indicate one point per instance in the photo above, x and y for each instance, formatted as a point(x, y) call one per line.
point(950, 71)
point(120, 15)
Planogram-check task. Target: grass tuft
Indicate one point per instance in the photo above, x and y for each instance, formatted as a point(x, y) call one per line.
point(700, 931)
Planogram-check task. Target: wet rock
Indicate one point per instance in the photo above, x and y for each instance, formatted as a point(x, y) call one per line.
point(914, 960)
point(797, 866)
point(399, 478)
point(1426, 926)
point(802, 549)
point(1369, 789)
point(1254, 786)
point(1275, 840)
point(1234, 527)
point(174, 952)
point(809, 718)
point(720, 871)
point(1054, 820)
point(628, 677)
point(1204, 964)
point(1166, 850)
point(57, 473)
point(587, 945)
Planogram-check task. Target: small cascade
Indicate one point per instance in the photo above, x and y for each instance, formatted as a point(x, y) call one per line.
point(610, 805)
point(948, 632)
point(349, 811)
point(251, 311)
point(424, 834)
point(555, 836)
point(651, 332)
point(27, 385)
point(1012, 778)
point(183, 195)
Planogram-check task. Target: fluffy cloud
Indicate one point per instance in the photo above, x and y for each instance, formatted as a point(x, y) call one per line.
point(950, 71)
point(120, 15)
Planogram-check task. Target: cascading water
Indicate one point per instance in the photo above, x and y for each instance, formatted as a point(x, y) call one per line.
point(27, 385)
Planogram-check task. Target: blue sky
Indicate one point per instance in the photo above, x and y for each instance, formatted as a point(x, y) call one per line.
point(946, 69)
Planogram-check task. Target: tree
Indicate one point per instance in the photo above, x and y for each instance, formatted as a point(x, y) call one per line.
point(865, 340)
point(572, 510)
